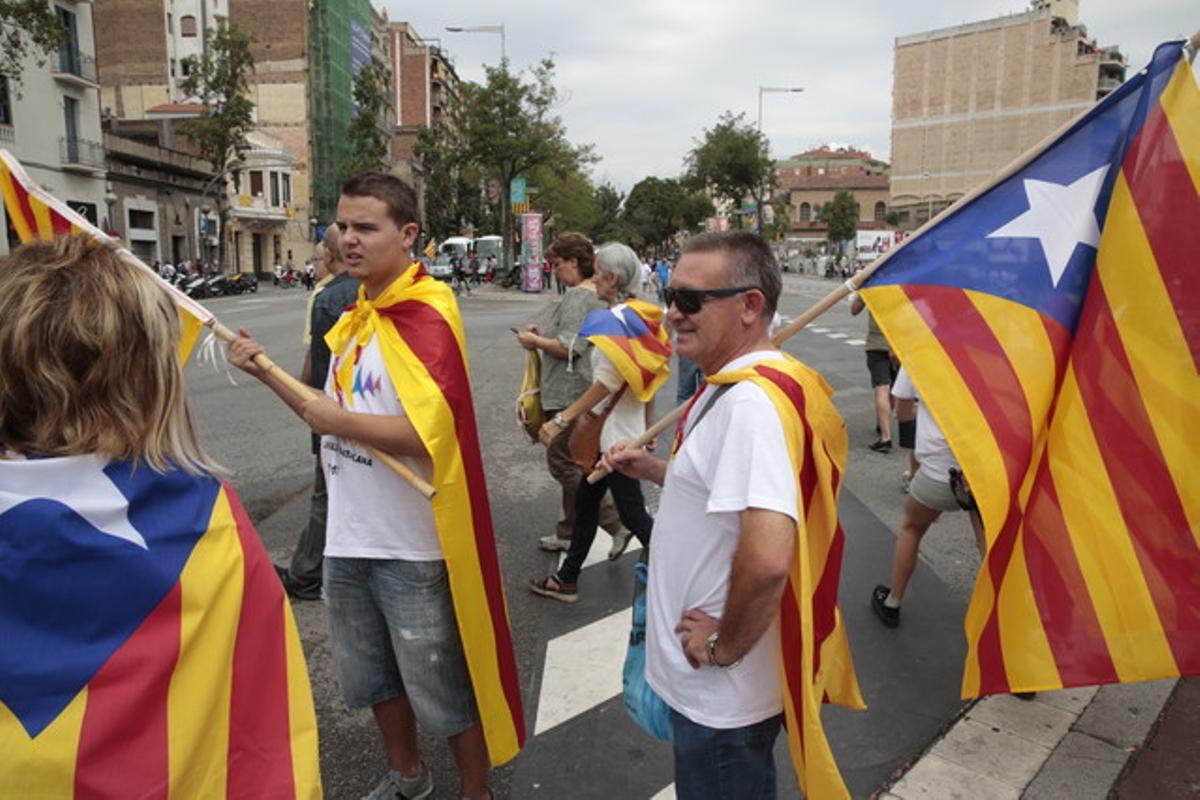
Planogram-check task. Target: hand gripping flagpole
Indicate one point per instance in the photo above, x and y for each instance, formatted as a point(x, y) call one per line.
point(853, 283)
point(181, 300)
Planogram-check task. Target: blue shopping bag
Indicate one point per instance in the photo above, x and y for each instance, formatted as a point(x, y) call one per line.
point(641, 701)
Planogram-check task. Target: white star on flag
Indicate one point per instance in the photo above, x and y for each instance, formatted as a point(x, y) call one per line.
point(1060, 217)
point(79, 483)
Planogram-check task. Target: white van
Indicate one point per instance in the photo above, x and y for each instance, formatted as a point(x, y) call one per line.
point(452, 247)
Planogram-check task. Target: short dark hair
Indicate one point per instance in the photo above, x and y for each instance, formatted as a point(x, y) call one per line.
point(576, 246)
point(751, 262)
point(400, 198)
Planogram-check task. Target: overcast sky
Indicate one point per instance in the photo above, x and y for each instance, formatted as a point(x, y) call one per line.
point(640, 79)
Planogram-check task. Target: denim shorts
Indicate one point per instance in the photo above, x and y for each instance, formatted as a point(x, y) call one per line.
point(394, 633)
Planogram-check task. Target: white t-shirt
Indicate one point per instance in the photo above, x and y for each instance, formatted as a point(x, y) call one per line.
point(932, 450)
point(628, 419)
point(373, 512)
point(735, 459)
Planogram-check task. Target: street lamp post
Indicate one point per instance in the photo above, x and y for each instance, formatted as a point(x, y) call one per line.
point(761, 91)
point(484, 29)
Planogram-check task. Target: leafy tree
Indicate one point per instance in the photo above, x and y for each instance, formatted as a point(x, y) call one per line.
point(841, 216)
point(565, 196)
point(27, 27)
point(452, 185)
point(508, 128)
point(777, 228)
point(733, 160)
point(609, 226)
point(220, 80)
point(658, 208)
point(368, 141)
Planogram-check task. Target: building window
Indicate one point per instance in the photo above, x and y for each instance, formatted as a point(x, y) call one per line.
point(6, 116)
point(256, 183)
point(172, 68)
point(185, 67)
point(187, 26)
point(805, 212)
point(68, 50)
point(274, 188)
point(287, 188)
point(880, 211)
point(141, 219)
point(170, 24)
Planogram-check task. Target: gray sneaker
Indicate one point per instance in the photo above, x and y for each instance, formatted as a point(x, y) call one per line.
point(395, 786)
point(554, 544)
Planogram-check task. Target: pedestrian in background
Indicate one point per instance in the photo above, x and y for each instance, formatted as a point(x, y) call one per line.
point(567, 374)
point(882, 372)
point(335, 290)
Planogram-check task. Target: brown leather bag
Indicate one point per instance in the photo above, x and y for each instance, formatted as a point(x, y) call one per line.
point(584, 440)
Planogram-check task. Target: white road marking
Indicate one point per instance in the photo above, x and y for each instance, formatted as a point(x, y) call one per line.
point(819, 330)
point(582, 670)
point(856, 342)
point(838, 335)
point(667, 793)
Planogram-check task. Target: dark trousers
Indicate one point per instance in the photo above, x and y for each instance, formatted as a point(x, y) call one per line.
point(631, 506)
point(310, 548)
point(568, 474)
point(733, 764)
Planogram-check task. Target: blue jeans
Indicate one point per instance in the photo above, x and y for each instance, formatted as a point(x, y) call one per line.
point(732, 764)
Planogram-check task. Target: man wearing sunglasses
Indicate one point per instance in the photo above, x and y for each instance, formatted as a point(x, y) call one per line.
point(725, 532)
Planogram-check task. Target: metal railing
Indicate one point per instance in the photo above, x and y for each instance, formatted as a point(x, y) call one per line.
point(73, 61)
point(83, 152)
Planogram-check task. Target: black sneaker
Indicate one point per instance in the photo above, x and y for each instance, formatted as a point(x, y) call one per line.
point(887, 615)
point(1024, 695)
point(882, 446)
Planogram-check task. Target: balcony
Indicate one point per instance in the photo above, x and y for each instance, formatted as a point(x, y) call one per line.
point(75, 67)
point(8, 134)
point(81, 155)
point(256, 209)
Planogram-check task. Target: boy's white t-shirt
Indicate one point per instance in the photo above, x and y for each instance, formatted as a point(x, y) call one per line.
point(735, 458)
point(373, 512)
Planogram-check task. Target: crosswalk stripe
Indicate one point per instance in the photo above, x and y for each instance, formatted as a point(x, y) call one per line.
point(856, 342)
point(582, 669)
point(837, 335)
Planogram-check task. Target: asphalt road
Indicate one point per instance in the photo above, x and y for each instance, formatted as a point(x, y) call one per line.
point(267, 451)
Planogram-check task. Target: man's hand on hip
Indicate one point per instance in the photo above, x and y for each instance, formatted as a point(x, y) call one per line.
point(694, 628)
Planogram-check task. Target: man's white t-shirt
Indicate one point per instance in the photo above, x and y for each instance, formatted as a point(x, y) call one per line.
point(931, 449)
point(373, 512)
point(628, 418)
point(736, 458)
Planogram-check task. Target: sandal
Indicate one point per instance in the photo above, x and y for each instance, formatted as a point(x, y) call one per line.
point(551, 586)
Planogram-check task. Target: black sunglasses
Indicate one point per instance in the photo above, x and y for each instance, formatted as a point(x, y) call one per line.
point(689, 301)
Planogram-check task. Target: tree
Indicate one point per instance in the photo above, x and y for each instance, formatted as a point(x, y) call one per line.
point(368, 142)
point(658, 208)
point(733, 160)
point(452, 185)
point(220, 79)
point(565, 196)
point(508, 127)
point(841, 216)
point(27, 27)
point(609, 226)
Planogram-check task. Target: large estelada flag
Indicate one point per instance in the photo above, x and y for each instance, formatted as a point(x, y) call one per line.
point(148, 647)
point(1052, 323)
point(36, 214)
point(632, 335)
point(816, 666)
point(424, 350)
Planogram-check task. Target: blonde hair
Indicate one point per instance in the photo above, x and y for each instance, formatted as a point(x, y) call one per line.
point(88, 361)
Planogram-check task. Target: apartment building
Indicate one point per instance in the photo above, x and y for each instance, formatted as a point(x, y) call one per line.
point(811, 179)
point(424, 87)
point(50, 120)
point(969, 99)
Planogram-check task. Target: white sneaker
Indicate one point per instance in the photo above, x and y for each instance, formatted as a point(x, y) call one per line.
point(553, 543)
point(619, 542)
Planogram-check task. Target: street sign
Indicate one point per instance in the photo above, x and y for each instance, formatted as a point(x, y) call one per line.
point(516, 191)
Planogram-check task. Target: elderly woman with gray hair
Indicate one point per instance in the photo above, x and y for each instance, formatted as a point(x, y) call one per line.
point(617, 270)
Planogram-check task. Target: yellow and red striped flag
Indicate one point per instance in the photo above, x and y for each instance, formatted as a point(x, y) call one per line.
point(36, 214)
point(424, 350)
point(816, 665)
point(1052, 323)
point(149, 649)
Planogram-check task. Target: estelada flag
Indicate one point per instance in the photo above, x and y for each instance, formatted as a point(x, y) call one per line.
point(1052, 323)
point(632, 335)
point(424, 351)
point(816, 665)
point(149, 649)
point(36, 214)
point(431, 249)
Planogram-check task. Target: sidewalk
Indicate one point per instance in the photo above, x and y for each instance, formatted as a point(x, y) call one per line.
point(1074, 743)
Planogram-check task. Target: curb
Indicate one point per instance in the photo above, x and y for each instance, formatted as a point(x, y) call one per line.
point(1064, 743)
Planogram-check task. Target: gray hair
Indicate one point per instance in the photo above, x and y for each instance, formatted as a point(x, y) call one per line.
point(751, 262)
point(620, 260)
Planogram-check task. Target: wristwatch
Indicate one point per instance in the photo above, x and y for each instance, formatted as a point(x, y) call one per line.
point(559, 420)
point(711, 642)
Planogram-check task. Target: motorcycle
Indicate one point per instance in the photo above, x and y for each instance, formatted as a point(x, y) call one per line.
point(240, 282)
point(217, 285)
point(196, 287)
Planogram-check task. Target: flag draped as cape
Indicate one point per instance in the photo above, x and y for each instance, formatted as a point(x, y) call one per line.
point(815, 653)
point(1052, 324)
point(632, 335)
point(148, 647)
point(421, 338)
